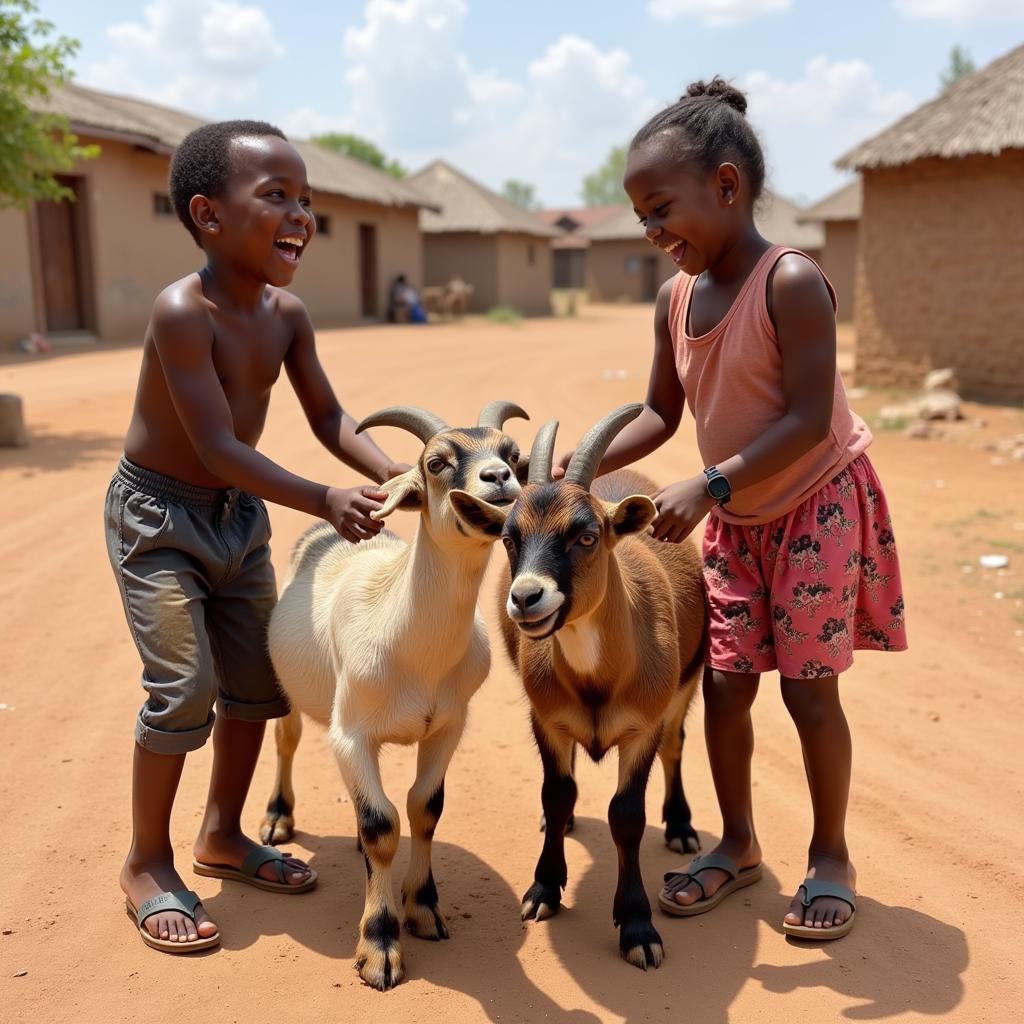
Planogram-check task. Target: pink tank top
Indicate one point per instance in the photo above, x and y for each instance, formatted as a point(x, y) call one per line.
point(732, 377)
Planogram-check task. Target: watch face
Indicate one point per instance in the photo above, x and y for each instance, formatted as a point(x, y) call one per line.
point(718, 488)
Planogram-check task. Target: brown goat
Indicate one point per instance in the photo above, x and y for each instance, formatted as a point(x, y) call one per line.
point(606, 628)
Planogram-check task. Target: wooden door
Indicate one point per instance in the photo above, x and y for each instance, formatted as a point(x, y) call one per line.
point(650, 278)
point(60, 247)
point(368, 268)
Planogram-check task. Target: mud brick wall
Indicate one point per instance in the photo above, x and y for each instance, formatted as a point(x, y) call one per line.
point(940, 275)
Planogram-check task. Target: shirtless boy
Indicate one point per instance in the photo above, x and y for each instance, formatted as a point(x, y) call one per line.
point(187, 530)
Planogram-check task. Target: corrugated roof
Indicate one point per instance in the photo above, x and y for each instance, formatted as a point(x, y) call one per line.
point(776, 219)
point(466, 205)
point(843, 204)
point(982, 114)
point(106, 115)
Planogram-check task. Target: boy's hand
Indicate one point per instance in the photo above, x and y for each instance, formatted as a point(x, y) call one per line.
point(348, 511)
point(561, 465)
point(393, 469)
point(681, 507)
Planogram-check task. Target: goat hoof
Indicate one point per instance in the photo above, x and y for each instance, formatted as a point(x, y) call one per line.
point(425, 922)
point(640, 944)
point(682, 839)
point(380, 967)
point(276, 829)
point(541, 902)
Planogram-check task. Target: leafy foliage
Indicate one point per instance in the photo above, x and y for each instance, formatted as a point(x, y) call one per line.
point(34, 146)
point(604, 186)
point(361, 149)
point(960, 66)
point(521, 193)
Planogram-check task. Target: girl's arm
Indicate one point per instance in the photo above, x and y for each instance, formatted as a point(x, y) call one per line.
point(664, 405)
point(805, 323)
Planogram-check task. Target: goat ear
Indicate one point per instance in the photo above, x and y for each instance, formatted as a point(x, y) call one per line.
point(632, 514)
point(406, 491)
point(478, 516)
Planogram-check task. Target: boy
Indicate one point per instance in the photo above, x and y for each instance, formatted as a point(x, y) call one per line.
point(186, 530)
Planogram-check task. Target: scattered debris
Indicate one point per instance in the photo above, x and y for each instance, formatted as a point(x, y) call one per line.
point(1008, 448)
point(614, 374)
point(20, 974)
point(994, 561)
point(33, 343)
point(937, 400)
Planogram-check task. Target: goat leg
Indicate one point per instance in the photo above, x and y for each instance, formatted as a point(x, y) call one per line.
point(424, 805)
point(639, 941)
point(558, 798)
point(680, 835)
point(278, 825)
point(379, 950)
point(571, 823)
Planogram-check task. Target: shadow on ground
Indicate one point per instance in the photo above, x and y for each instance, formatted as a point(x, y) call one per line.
point(49, 453)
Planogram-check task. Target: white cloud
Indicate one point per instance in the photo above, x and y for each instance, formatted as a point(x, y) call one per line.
point(189, 53)
point(962, 11)
point(820, 115)
point(549, 126)
point(716, 13)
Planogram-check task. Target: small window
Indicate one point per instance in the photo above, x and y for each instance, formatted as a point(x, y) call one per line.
point(323, 224)
point(632, 264)
point(531, 254)
point(162, 205)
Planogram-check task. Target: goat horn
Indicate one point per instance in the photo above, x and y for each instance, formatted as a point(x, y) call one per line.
point(417, 421)
point(495, 413)
point(587, 457)
point(542, 454)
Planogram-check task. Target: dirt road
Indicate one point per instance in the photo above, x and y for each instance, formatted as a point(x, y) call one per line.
point(935, 821)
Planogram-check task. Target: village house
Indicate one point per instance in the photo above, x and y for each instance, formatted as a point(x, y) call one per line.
point(92, 268)
point(569, 248)
point(940, 255)
point(496, 246)
point(839, 215)
point(622, 266)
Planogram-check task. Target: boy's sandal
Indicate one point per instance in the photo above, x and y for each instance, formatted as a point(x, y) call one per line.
point(185, 902)
point(814, 889)
point(254, 860)
point(675, 881)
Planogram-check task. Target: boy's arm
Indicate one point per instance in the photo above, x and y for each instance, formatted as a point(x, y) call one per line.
point(333, 427)
point(663, 407)
point(184, 343)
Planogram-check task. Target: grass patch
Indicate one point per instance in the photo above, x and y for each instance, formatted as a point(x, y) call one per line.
point(1007, 545)
point(976, 516)
point(504, 315)
point(892, 422)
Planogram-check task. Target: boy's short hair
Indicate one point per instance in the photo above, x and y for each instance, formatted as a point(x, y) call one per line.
point(202, 163)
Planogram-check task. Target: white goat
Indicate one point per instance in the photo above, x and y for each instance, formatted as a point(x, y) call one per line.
point(383, 642)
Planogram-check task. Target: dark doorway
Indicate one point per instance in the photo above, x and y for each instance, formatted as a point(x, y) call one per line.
point(62, 250)
point(650, 278)
point(368, 268)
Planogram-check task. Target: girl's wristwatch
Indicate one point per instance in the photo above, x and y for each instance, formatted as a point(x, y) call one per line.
point(717, 486)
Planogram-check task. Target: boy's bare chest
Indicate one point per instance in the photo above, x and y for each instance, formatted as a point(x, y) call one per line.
point(249, 362)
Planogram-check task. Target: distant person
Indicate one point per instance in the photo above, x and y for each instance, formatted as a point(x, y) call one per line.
point(187, 531)
point(800, 560)
point(405, 305)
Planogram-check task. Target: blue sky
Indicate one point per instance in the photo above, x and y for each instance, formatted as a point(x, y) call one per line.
point(539, 91)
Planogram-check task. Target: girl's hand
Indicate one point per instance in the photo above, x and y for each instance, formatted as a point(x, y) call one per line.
point(561, 465)
point(681, 507)
point(393, 469)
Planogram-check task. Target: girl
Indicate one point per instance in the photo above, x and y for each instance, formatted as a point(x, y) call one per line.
point(799, 558)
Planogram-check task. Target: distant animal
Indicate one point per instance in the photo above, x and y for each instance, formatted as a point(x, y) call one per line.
point(606, 628)
point(383, 642)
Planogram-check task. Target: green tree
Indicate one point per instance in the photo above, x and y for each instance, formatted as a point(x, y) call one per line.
point(521, 193)
point(361, 149)
point(604, 186)
point(34, 146)
point(960, 66)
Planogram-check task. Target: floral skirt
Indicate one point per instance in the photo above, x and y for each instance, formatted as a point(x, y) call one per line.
point(802, 593)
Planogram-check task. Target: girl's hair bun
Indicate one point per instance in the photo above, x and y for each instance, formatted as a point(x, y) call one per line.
point(719, 89)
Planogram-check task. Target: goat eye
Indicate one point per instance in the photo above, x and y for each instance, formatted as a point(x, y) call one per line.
point(510, 544)
point(587, 540)
point(436, 465)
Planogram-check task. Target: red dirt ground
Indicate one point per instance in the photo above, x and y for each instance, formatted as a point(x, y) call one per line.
point(935, 818)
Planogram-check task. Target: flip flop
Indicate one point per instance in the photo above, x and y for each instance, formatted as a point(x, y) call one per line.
point(814, 889)
point(739, 878)
point(185, 901)
point(254, 860)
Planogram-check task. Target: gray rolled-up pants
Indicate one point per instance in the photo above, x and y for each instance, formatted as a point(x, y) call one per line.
point(193, 566)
